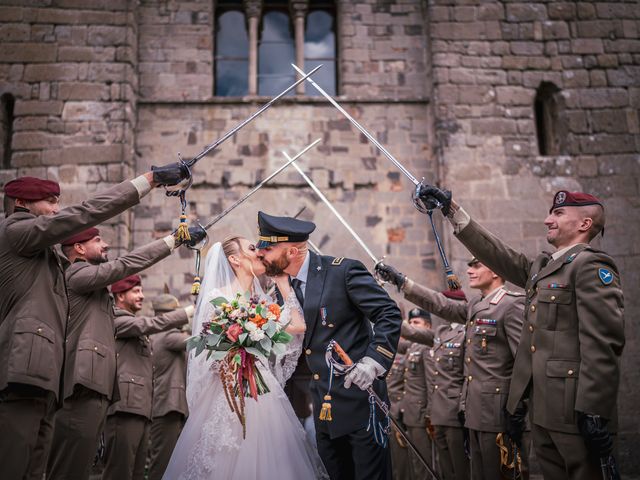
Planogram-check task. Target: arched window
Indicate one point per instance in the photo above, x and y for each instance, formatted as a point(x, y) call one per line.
point(232, 51)
point(7, 101)
point(276, 53)
point(548, 115)
point(320, 48)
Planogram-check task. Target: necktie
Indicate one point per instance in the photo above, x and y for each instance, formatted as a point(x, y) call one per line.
point(297, 288)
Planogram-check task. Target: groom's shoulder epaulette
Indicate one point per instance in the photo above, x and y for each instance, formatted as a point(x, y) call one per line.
point(337, 261)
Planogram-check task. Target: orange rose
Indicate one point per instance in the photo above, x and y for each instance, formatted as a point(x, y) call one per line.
point(275, 309)
point(258, 320)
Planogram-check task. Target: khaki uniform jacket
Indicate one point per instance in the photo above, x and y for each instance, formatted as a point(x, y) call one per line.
point(34, 308)
point(445, 373)
point(91, 347)
point(573, 332)
point(395, 379)
point(493, 328)
point(133, 358)
point(169, 372)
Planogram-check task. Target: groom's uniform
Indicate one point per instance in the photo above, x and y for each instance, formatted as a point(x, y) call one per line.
point(342, 302)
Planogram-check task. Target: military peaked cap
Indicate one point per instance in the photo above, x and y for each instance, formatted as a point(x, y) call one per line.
point(165, 303)
point(81, 237)
point(31, 188)
point(126, 284)
point(282, 229)
point(419, 313)
point(564, 198)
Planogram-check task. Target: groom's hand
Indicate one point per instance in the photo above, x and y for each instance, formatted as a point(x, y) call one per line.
point(363, 373)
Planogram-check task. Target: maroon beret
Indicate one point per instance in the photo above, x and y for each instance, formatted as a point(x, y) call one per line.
point(31, 188)
point(126, 284)
point(564, 198)
point(455, 294)
point(83, 236)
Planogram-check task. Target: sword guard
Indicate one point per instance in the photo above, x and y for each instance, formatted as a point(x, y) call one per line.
point(203, 242)
point(181, 188)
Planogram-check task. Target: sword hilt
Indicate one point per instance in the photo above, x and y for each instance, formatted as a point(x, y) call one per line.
point(184, 185)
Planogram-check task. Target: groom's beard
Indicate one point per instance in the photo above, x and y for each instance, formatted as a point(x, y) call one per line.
point(275, 268)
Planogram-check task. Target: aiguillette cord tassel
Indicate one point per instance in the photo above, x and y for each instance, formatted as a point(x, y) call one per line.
point(182, 234)
point(452, 279)
point(325, 412)
point(195, 287)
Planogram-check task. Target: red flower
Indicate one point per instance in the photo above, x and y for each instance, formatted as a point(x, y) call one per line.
point(234, 332)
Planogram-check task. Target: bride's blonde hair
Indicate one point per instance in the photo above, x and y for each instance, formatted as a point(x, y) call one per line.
point(231, 245)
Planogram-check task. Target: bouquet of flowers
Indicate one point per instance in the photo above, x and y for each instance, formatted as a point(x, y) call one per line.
point(241, 331)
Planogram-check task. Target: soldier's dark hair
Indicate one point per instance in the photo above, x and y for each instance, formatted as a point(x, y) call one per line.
point(596, 213)
point(9, 205)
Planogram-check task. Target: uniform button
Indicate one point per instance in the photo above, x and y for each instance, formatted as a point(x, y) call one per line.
point(117, 355)
point(406, 370)
point(405, 380)
point(437, 373)
point(531, 328)
point(468, 359)
point(484, 331)
point(436, 387)
point(402, 410)
point(570, 372)
point(437, 359)
point(533, 308)
point(553, 298)
point(133, 379)
point(39, 330)
point(470, 377)
point(497, 389)
point(316, 376)
point(468, 340)
point(308, 351)
point(450, 353)
point(95, 348)
point(533, 348)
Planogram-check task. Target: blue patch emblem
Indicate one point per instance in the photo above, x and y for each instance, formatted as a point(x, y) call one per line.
point(605, 275)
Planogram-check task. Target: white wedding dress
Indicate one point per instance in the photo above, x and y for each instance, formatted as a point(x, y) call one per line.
point(211, 446)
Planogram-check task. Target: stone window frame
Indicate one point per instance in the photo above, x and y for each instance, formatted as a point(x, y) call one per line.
point(7, 118)
point(298, 10)
point(550, 124)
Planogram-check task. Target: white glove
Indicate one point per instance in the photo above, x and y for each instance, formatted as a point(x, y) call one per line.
point(363, 373)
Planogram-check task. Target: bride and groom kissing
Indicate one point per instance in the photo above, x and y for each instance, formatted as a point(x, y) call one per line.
point(324, 298)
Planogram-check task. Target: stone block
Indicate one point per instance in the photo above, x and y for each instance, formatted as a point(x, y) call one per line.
point(13, 32)
point(84, 154)
point(599, 29)
point(527, 48)
point(583, 46)
point(625, 76)
point(51, 72)
point(490, 11)
point(86, 54)
point(37, 107)
point(607, 144)
point(27, 52)
point(555, 30)
point(83, 91)
point(100, 35)
point(526, 12)
point(493, 126)
point(562, 10)
point(34, 140)
point(515, 95)
point(586, 10)
point(603, 97)
point(575, 78)
point(609, 121)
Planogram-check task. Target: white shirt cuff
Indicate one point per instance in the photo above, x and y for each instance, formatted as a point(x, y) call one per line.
point(459, 220)
point(170, 240)
point(190, 309)
point(142, 185)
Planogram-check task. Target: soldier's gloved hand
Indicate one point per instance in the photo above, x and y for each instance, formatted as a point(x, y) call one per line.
point(593, 429)
point(431, 196)
point(516, 423)
point(197, 234)
point(363, 373)
point(390, 274)
point(171, 174)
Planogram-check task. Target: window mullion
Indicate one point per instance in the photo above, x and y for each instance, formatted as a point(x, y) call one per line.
point(299, 10)
point(253, 10)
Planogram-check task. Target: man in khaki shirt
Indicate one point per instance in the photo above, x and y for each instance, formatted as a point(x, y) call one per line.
point(128, 420)
point(90, 364)
point(34, 308)
point(170, 409)
point(568, 358)
point(493, 323)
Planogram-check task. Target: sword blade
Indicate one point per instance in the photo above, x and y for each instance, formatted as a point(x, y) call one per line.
point(335, 212)
point(231, 132)
point(260, 185)
point(371, 138)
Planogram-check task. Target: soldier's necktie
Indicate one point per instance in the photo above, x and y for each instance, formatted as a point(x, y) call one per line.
point(297, 288)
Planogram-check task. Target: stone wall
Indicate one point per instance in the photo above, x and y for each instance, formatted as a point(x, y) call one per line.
point(72, 70)
point(488, 60)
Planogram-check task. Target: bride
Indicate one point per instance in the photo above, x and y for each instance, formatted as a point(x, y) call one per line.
point(211, 445)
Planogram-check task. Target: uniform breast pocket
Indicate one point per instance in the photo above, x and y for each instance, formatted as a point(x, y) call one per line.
point(92, 361)
point(484, 338)
point(132, 389)
point(33, 350)
point(562, 382)
point(553, 303)
point(452, 358)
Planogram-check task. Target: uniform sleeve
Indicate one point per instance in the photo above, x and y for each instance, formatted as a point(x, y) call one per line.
point(513, 321)
point(601, 335)
point(423, 336)
point(29, 236)
point(376, 305)
point(132, 326)
point(88, 278)
point(435, 302)
point(498, 256)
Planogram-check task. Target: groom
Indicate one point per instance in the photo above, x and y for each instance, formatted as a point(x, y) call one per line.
point(341, 301)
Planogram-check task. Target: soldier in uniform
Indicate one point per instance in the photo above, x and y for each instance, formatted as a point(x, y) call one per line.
point(34, 305)
point(414, 404)
point(341, 301)
point(494, 323)
point(90, 363)
point(170, 409)
point(445, 378)
point(127, 426)
point(568, 359)
point(395, 387)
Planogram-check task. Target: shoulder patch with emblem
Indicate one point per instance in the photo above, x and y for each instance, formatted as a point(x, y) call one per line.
point(605, 275)
point(337, 261)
